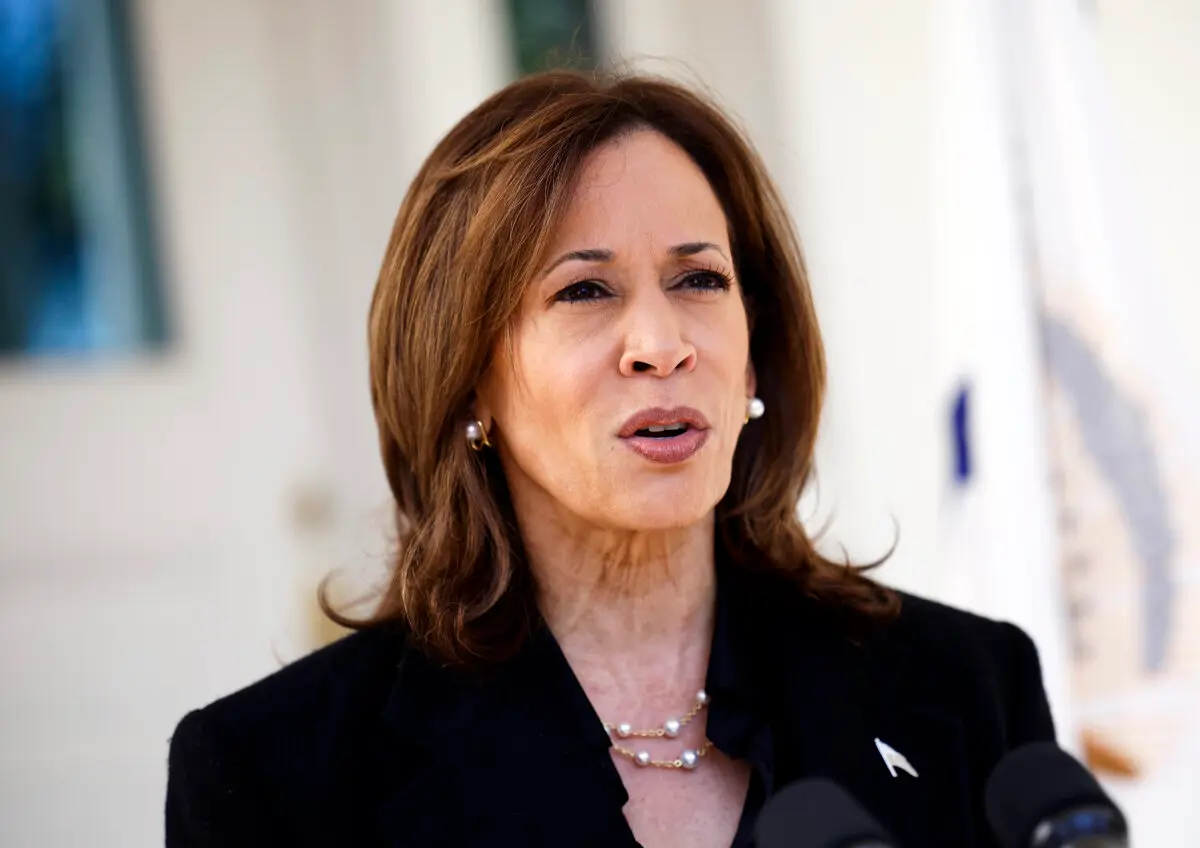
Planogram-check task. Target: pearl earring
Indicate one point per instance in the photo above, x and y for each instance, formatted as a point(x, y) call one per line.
point(477, 437)
point(755, 408)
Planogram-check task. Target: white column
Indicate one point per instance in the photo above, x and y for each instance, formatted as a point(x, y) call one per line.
point(367, 90)
point(716, 46)
point(447, 57)
point(853, 105)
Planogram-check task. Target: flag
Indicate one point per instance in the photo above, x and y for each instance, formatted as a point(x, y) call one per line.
point(1040, 248)
point(1122, 422)
point(998, 545)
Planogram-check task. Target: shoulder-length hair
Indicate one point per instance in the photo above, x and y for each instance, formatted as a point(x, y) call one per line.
point(469, 236)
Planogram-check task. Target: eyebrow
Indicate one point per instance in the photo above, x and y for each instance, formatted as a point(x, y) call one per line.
point(595, 254)
point(600, 254)
point(691, 248)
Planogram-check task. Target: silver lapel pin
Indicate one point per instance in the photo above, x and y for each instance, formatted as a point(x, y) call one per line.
point(893, 759)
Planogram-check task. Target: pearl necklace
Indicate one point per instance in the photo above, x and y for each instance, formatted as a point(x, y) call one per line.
point(688, 759)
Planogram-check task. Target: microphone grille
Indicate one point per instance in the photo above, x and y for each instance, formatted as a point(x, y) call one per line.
point(1034, 783)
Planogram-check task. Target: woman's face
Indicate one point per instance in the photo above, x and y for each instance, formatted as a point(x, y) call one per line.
point(635, 321)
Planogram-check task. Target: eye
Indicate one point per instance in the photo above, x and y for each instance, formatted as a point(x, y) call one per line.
point(711, 280)
point(581, 291)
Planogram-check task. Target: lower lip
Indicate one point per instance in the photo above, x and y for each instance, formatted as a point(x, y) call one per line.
point(669, 450)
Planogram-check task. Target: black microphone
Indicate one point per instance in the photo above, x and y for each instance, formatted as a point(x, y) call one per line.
point(1039, 796)
point(817, 813)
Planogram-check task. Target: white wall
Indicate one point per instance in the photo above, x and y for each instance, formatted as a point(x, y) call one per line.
point(1148, 51)
point(1151, 53)
point(163, 519)
point(144, 543)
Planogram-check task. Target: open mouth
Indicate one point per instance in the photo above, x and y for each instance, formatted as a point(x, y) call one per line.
point(664, 431)
point(666, 436)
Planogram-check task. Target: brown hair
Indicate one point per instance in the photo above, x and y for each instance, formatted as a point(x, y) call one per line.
point(470, 233)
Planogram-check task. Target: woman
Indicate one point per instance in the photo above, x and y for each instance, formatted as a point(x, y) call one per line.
point(597, 376)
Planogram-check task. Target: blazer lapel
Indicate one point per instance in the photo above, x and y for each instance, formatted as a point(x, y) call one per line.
point(518, 758)
point(840, 698)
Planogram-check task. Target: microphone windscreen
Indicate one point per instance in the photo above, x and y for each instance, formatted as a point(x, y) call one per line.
point(816, 813)
point(1034, 783)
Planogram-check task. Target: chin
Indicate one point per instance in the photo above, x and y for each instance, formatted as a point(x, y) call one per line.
point(656, 522)
point(650, 510)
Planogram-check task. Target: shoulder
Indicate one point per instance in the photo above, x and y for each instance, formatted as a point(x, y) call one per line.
point(311, 729)
point(925, 635)
point(946, 635)
point(335, 683)
point(956, 654)
point(935, 657)
point(338, 687)
point(938, 629)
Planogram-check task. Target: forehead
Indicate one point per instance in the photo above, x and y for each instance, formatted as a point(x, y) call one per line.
point(640, 188)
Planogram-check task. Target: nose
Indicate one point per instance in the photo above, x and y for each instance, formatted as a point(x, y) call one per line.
point(654, 336)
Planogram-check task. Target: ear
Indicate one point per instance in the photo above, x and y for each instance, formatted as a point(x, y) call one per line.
point(751, 379)
point(481, 404)
point(482, 410)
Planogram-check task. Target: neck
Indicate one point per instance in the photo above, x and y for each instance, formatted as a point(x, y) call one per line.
point(632, 612)
point(627, 594)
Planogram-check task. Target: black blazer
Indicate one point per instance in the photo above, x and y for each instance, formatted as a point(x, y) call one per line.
point(368, 743)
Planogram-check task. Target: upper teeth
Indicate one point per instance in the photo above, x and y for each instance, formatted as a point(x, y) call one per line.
point(660, 428)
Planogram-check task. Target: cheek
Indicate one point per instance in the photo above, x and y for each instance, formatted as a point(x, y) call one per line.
point(551, 391)
point(728, 347)
point(729, 356)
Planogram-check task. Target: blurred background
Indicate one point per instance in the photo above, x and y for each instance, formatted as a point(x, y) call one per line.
point(997, 199)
